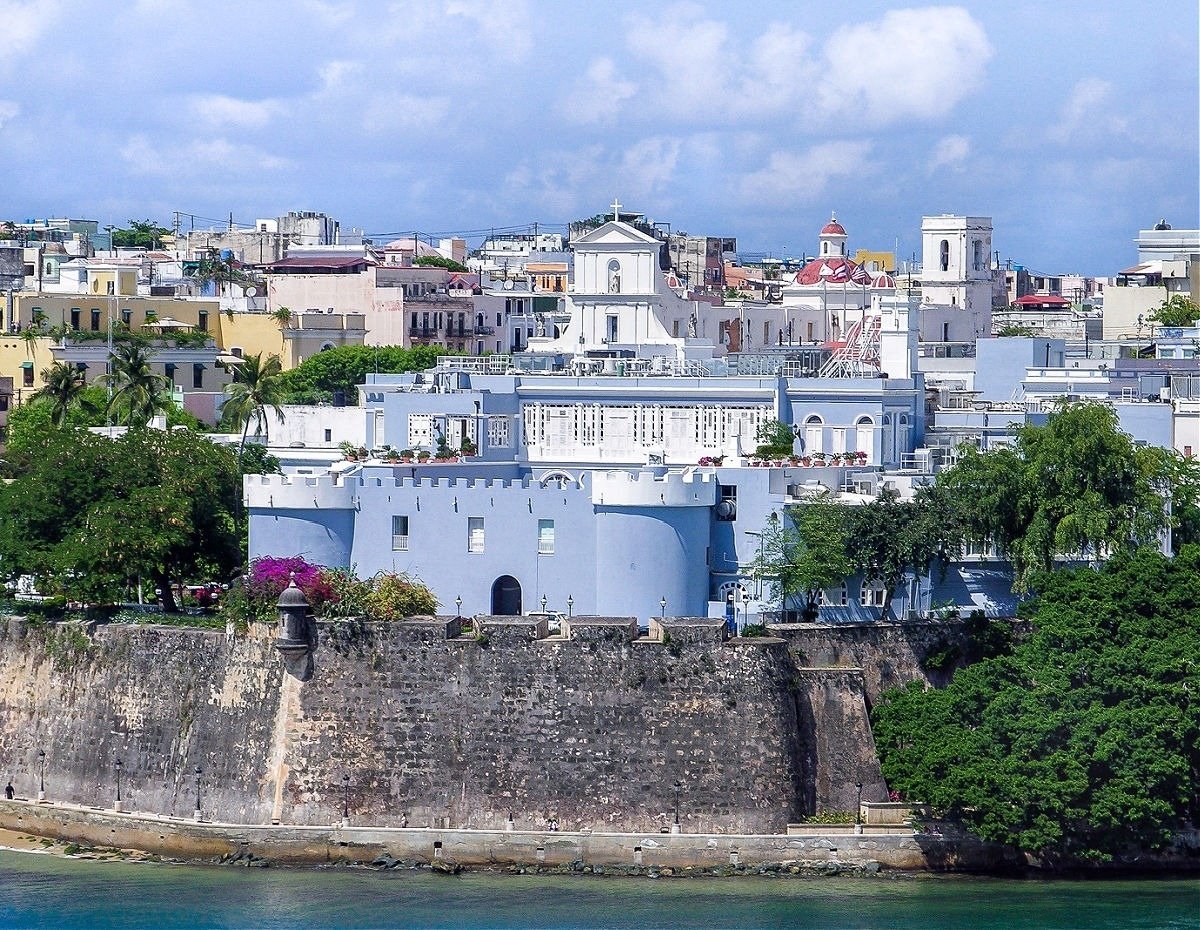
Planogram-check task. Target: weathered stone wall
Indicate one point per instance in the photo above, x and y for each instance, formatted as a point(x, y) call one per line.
point(592, 729)
point(441, 730)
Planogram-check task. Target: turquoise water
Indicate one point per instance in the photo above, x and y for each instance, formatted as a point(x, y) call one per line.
point(41, 891)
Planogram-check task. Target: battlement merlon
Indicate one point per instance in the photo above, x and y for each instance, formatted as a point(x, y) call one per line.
point(645, 489)
point(300, 492)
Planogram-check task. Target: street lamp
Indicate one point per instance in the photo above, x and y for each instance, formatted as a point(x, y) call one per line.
point(197, 774)
point(678, 786)
point(858, 803)
point(117, 765)
point(41, 774)
point(346, 797)
point(570, 605)
point(458, 606)
point(662, 603)
point(543, 603)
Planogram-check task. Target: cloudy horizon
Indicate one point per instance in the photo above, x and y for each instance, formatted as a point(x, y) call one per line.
point(1072, 126)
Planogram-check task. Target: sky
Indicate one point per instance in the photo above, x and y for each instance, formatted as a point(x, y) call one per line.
point(1071, 124)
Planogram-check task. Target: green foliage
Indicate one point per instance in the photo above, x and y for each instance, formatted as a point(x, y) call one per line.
point(139, 392)
point(88, 516)
point(438, 261)
point(30, 421)
point(257, 384)
point(1077, 487)
point(343, 368)
point(775, 439)
point(803, 553)
point(830, 817)
point(1014, 329)
point(256, 460)
point(395, 596)
point(143, 234)
point(1083, 742)
point(65, 643)
point(1176, 310)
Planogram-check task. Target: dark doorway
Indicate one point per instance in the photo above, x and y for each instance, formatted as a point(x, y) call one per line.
point(506, 597)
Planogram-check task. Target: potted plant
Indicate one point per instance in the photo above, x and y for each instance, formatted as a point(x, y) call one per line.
point(406, 455)
point(467, 447)
point(862, 457)
point(806, 460)
point(349, 450)
point(818, 459)
point(423, 456)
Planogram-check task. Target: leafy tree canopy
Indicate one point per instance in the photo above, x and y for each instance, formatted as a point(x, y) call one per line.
point(440, 261)
point(1083, 744)
point(1176, 310)
point(345, 367)
point(803, 553)
point(1075, 487)
point(775, 440)
point(88, 516)
point(143, 234)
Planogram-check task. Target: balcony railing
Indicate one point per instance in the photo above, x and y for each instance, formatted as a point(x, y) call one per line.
point(485, 330)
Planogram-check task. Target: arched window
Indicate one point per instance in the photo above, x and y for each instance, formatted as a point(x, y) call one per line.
point(872, 593)
point(835, 597)
point(945, 259)
point(978, 255)
point(614, 277)
point(864, 436)
point(814, 429)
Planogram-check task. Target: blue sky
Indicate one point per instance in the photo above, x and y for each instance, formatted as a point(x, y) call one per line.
point(1071, 124)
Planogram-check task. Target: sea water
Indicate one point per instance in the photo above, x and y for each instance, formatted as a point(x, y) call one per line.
point(66, 894)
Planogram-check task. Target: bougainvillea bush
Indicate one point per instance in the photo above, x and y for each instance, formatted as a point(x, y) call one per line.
point(331, 592)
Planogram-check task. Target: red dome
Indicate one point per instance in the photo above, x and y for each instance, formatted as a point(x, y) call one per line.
point(832, 270)
point(885, 281)
point(833, 228)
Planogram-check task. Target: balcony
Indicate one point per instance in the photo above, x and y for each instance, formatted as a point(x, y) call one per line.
point(484, 330)
point(422, 332)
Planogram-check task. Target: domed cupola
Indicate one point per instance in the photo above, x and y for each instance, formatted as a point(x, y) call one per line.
point(832, 239)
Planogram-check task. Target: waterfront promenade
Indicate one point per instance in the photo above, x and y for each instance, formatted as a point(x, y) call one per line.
point(817, 848)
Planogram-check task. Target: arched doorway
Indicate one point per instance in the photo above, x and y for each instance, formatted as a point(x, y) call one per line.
point(506, 597)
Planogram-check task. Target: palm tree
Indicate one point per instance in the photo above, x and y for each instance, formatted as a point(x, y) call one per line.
point(64, 388)
point(256, 386)
point(139, 392)
point(30, 337)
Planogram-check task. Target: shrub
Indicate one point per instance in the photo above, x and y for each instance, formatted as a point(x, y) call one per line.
point(395, 596)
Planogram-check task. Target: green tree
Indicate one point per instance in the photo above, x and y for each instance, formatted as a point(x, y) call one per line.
point(1076, 487)
point(439, 261)
point(775, 439)
point(1083, 743)
point(1176, 310)
point(343, 368)
point(256, 386)
point(142, 234)
point(63, 390)
point(90, 516)
point(139, 392)
point(802, 554)
point(888, 538)
point(28, 422)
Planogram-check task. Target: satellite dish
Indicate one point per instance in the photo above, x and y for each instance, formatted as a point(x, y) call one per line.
point(252, 292)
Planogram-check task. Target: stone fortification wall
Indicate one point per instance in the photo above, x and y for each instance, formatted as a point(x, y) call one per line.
point(433, 728)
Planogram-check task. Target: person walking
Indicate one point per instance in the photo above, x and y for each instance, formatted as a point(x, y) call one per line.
point(9, 793)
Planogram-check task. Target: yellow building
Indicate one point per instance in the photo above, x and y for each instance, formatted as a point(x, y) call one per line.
point(876, 262)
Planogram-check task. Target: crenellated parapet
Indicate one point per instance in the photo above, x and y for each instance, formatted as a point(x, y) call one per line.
point(646, 489)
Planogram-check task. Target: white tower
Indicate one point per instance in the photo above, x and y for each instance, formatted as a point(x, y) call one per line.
point(956, 277)
point(832, 239)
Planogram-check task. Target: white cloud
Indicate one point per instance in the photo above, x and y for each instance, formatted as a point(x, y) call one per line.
point(778, 69)
point(950, 152)
point(795, 177)
point(197, 157)
point(916, 63)
point(1088, 111)
point(220, 110)
point(403, 112)
point(507, 32)
point(22, 24)
point(8, 110)
point(599, 95)
point(689, 53)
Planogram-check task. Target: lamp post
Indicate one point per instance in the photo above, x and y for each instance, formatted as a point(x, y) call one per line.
point(570, 606)
point(458, 606)
point(346, 799)
point(196, 772)
point(662, 604)
point(543, 603)
point(678, 786)
point(858, 804)
point(41, 774)
point(117, 766)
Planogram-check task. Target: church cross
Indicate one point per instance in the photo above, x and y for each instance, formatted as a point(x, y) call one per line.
point(616, 209)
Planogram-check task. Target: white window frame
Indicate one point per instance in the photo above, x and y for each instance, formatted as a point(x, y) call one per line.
point(476, 538)
point(545, 539)
point(872, 593)
point(399, 539)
